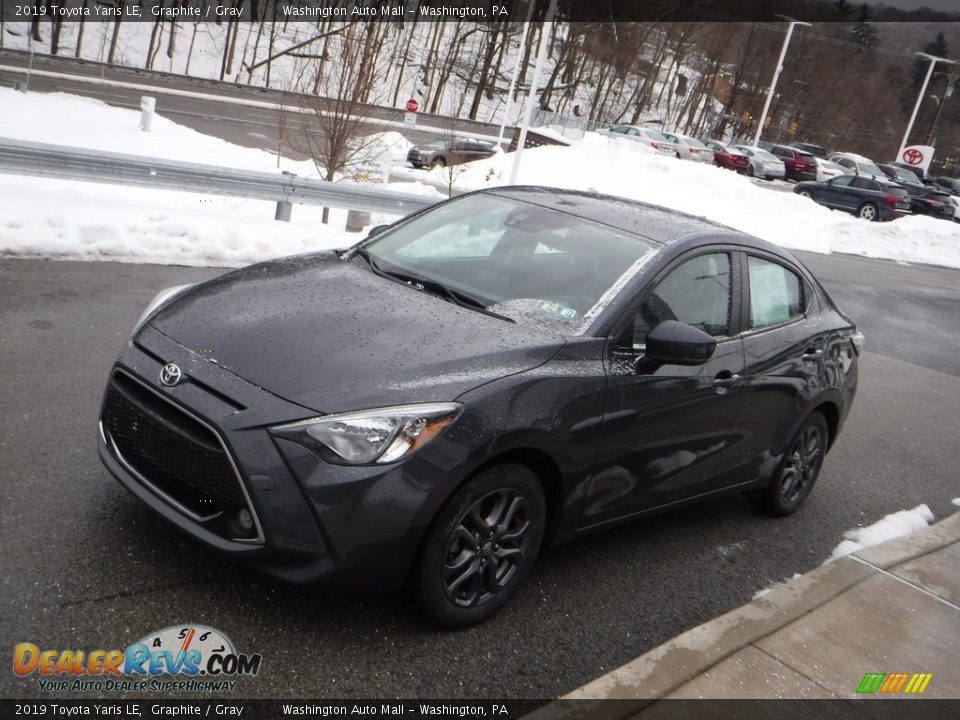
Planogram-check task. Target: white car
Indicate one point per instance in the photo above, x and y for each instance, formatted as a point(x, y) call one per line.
point(689, 148)
point(649, 137)
point(827, 170)
point(859, 165)
point(763, 163)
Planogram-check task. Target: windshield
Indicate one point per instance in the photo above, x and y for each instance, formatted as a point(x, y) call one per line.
point(870, 169)
point(905, 174)
point(766, 155)
point(531, 264)
point(695, 143)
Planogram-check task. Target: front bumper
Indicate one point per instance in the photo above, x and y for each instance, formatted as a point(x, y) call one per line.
point(357, 527)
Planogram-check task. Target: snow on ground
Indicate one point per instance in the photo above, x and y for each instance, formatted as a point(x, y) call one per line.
point(94, 221)
point(956, 501)
point(767, 590)
point(622, 167)
point(892, 526)
point(41, 217)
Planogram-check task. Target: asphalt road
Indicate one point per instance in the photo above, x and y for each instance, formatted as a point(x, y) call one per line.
point(87, 566)
point(212, 114)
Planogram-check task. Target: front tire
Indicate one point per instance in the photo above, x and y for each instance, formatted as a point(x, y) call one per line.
point(868, 211)
point(805, 193)
point(438, 163)
point(798, 471)
point(482, 546)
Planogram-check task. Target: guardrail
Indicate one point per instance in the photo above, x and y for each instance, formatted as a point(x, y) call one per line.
point(69, 163)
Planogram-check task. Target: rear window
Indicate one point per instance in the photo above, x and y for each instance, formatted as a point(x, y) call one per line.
point(654, 135)
point(695, 143)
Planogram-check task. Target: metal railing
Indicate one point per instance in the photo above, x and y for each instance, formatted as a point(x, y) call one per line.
point(286, 189)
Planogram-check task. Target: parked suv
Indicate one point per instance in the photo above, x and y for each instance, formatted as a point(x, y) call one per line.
point(799, 164)
point(865, 197)
point(815, 150)
point(858, 165)
point(441, 153)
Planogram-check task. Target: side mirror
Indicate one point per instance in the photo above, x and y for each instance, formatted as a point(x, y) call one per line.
point(376, 230)
point(676, 343)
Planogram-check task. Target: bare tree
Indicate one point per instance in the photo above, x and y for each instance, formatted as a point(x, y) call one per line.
point(334, 127)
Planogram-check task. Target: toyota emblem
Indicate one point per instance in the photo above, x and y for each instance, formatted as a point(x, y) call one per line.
point(171, 375)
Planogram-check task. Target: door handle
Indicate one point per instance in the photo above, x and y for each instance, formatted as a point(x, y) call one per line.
point(724, 381)
point(812, 354)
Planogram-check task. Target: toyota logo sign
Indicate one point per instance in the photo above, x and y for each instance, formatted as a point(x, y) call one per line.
point(171, 375)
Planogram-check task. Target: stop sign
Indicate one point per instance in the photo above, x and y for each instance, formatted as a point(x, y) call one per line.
point(412, 105)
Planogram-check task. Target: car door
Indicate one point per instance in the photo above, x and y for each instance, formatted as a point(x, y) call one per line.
point(782, 366)
point(664, 429)
point(835, 192)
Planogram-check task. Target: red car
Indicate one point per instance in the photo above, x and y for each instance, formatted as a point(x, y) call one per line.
point(726, 157)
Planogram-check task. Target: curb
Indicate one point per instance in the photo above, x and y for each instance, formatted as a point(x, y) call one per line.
point(641, 682)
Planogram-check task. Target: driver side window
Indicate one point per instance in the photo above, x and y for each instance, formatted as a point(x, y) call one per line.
point(696, 293)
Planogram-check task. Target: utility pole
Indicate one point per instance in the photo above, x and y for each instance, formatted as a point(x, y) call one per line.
point(516, 72)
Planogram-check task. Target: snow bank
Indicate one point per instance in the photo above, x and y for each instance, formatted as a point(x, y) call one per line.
point(628, 169)
point(95, 221)
point(956, 501)
point(892, 526)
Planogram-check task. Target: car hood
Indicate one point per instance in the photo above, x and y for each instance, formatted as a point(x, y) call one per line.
point(332, 336)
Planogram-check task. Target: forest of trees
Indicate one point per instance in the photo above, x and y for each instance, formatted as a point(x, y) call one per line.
point(848, 82)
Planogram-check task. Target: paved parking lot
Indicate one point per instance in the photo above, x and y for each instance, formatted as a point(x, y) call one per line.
point(87, 566)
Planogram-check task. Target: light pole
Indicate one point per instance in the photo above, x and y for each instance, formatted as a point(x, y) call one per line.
point(933, 62)
point(516, 71)
point(532, 96)
point(776, 74)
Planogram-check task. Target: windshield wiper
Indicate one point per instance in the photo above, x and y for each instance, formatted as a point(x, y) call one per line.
point(457, 297)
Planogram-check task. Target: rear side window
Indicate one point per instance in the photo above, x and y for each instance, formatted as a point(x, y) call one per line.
point(776, 293)
point(865, 184)
point(696, 293)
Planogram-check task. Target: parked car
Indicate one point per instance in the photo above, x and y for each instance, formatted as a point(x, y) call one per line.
point(726, 156)
point(858, 165)
point(763, 164)
point(815, 150)
point(900, 175)
point(949, 184)
point(649, 137)
point(931, 201)
point(500, 372)
point(864, 196)
point(827, 170)
point(689, 148)
point(798, 165)
point(441, 153)
point(918, 171)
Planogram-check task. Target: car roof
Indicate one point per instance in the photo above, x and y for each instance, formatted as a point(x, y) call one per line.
point(653, 222)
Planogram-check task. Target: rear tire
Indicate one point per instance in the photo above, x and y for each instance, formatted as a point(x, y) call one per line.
point(795, 476)
point(750, 171)
point(482, 546)
point(805, 193)
point(868, 211)
point(438, 163)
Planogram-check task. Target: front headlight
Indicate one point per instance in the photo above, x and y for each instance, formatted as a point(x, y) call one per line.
point(162, 297)
point(383, 435)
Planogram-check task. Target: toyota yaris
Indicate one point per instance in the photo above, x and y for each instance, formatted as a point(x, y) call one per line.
point(498, 373)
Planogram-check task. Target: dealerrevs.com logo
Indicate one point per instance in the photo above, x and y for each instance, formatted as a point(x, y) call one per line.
point(181, 657)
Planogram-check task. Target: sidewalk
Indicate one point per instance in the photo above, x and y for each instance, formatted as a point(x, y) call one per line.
point(890, 608)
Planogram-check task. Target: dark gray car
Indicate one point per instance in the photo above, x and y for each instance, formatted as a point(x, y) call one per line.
point(498, 373)
point(441, 153)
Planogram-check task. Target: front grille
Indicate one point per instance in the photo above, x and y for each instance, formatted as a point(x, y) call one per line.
point(173, 452)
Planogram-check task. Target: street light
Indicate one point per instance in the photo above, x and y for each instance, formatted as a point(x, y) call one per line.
point(776, 74)
point(933, 62)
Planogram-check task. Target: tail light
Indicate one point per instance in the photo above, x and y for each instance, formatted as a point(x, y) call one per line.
point(935, 204)
point(799, 164)
point(655, 146)
point(892, 199)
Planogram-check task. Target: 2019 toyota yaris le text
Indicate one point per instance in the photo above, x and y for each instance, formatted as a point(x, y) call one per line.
point(503, 371)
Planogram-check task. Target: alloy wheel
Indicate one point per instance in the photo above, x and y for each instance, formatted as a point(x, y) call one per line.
point(486, 547)
point(802, 465)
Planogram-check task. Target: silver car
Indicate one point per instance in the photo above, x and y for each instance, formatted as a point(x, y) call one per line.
point(647, 136)
point(763, 164)
point(689, 148)
point(827, 169)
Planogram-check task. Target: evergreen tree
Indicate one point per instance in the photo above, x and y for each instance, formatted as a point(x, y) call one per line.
point(863, 32)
